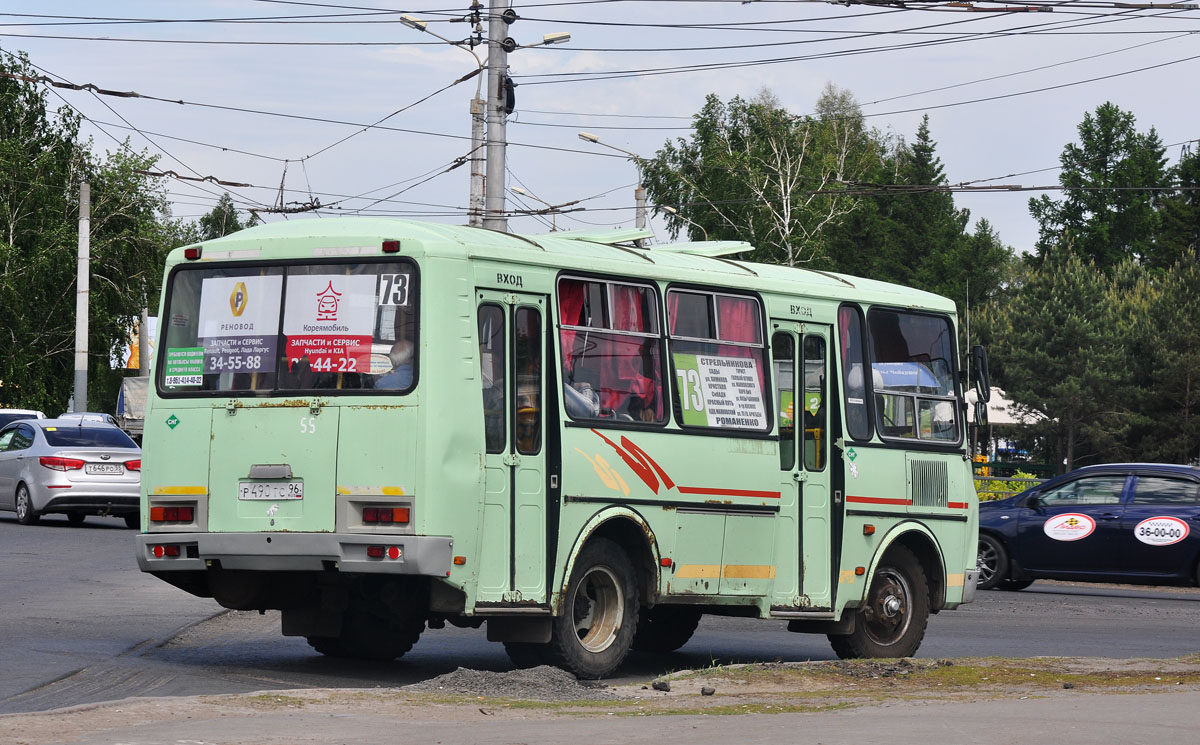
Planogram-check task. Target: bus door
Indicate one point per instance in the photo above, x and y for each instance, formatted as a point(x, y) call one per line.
point(800, 353)
point(512, 377)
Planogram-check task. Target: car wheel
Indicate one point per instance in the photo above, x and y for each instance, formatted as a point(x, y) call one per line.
point(1015, 584)
point(133, 521)
point(26, 515)
point(595, 631)
point(992, 562)
point(892, 619)
point(75, 518)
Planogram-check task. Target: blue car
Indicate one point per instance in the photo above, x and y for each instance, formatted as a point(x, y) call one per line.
point(1123, 522)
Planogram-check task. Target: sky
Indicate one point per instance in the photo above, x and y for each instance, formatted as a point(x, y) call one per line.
point(1004, 91)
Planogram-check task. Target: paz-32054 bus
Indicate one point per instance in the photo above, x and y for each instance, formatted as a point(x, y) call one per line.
point(376, 426)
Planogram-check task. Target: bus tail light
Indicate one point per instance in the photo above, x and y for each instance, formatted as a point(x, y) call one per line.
point(192, 253)
point(391, 247)
point(56, 463)
point(385, 515)
point(169, 550)
point(184, 513)
point(379, 552)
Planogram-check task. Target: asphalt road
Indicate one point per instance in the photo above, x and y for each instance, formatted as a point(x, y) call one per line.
point(83, 625)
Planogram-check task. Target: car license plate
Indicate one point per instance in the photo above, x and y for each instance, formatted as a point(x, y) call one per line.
point(95, 468)
point(271, 490)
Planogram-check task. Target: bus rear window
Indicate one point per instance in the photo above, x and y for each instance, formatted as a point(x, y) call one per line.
point(291, 328)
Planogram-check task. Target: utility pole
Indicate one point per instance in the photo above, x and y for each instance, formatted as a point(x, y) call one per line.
point(83, 275)
point(475, 210)
point(497, 67)
point(639, 192)
point(144, 343)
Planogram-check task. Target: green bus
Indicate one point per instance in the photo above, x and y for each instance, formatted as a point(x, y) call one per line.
point(376, 425)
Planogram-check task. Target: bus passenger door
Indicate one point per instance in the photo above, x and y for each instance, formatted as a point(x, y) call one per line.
point(801, 361)
point(512, 378)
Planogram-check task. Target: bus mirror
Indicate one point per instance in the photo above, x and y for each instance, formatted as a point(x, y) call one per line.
point(983, 381)
point(981, 414)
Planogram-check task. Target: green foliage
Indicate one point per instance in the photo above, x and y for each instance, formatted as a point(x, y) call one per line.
point(1101, 223)
point(752, 171)
point(1055, 351)
point(222, 220)
point(1180, 212)
point(992, 490)
point(41, 167)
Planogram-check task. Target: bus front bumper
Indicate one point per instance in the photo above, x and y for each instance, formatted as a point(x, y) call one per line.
point(285, 552)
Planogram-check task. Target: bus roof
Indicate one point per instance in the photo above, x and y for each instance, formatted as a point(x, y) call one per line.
point(614, 252)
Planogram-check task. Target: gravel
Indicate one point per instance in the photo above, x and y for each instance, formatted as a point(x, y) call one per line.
point(543, 683)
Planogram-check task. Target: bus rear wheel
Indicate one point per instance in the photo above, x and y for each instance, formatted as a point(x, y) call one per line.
point(594, 633)
point(665, 628)
point(892, 619)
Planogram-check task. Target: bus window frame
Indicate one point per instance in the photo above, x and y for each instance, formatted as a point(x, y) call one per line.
point(956, 397)
point(168, 297)
point(844, 369)
point(765, 345)
point(560, 357)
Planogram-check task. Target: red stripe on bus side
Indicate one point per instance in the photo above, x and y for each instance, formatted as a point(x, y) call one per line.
point(729, 492)
point(878, 500)
point(958, 505)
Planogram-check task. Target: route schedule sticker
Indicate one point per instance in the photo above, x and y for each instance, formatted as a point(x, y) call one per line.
point(1069, 526)
point(329, 320)
point(240, 323)
point(718, 391)
point(1161, 531)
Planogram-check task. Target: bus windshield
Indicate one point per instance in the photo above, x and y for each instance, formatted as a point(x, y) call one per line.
point(299, 327)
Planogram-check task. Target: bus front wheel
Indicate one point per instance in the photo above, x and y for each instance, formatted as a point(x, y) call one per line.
point(595, 630)
point(891, 621)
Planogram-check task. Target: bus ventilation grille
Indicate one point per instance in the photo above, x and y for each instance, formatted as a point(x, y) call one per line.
point(929, 483)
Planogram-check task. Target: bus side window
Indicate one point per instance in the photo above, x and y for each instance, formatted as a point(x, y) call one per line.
point(858, 426)
point(611, 351)
point(783, 355)
point(813, 403)
point(492, 361)
point(528, 356)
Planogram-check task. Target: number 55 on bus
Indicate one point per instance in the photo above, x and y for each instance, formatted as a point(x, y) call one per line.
point(377, 426)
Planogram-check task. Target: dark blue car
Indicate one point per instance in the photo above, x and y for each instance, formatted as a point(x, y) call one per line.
point(1123, 522)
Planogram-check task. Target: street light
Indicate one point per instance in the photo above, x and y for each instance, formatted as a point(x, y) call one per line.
point(639, 193)
point(478, 108)
point(677, 213)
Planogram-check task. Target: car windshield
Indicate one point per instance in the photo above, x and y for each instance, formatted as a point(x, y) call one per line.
point(300, 327)
point(88, 437)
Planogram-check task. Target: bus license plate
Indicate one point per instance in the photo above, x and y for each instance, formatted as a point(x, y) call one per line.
point(271, 490)
point(104, 468)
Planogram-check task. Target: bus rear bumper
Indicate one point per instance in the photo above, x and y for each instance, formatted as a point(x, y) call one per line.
point(285, 552)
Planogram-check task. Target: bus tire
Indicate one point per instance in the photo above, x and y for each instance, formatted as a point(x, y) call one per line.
point(595, 631)
point(330, 646)
point(665, 628)
point(892, 619)
point(370, 636)
point(525, 655)
point(992, 561)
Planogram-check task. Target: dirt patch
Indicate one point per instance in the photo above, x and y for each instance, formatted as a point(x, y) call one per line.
point(543, 683)
point(546, 693)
